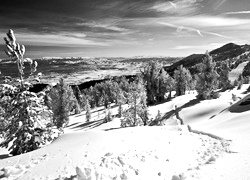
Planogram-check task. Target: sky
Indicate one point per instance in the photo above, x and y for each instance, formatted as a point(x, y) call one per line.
point(124, 28)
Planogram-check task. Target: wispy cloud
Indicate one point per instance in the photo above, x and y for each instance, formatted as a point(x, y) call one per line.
point(219, 3)
point(210, 21)
point(199, 47)
point(180, 7)
point(199, 32)
point(204, 47)
point(237, 12)
point(180, 28)
point(173, 4)
point(109, 27)
point(59, 39)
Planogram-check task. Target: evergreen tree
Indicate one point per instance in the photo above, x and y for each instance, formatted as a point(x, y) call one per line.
point(124, 87)
point(88, 111)
point(240, 81)
point(91, 97)
point(23, 113)
point(165, 84)
point(62, 101)
point(158, 117)
point(224, 70)
point(183, 80)
point(137, 113)
point(108, 115)
point(120, 101)
point(79, 98)
point(171, 85)
point(96, 94)
point(207, 79)
point(83, 102)
point(150, 75)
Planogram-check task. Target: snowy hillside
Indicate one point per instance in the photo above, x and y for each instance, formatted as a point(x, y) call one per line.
point(97, 150)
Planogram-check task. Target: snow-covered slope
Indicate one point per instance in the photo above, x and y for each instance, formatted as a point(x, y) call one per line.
point(234, 74)
point(97, 150)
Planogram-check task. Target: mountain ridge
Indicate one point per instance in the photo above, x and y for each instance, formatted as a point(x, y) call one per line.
point(229, 51)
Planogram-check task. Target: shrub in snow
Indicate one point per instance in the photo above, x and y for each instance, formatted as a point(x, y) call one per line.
point(61, 101)
point(234, 97)
point(25, 119)
point(158, 116)
point(215, 95)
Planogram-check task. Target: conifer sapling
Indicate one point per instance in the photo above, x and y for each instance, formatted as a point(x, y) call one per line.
point(26, 116)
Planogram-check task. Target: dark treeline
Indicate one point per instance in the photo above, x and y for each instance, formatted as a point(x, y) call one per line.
point(85, 85)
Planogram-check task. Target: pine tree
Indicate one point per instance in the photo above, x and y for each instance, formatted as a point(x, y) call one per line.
point(96, 94)
point(150, 75)
point(240, 81)
point(79, 98)
point(62, 101)
point(91, 97)
point(24, 112)
point(88, 111)
point(124, 87)
point(171, 85)
point(183, 80)
point(165, 85)
point(108, 115)
point(158, 117)
point(207, 79)
point(224, 75)
point(120, 101)
point(83, 102)
point(137, 113)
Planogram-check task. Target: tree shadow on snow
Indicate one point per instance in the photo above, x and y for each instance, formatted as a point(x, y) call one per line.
point(90, 125)
point(241, 106)
point(72, 177)
point(4, 156)
point(112, 129)
point(176, 111)
point(190, 103)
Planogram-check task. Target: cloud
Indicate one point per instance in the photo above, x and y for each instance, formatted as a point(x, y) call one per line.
point(64, 39)
point(104, 27)
point(173, 4)
point(180, 7)
point(237, 12)
point(219, 3)
point(205, 47)
point(179, 28)
point(211, 21)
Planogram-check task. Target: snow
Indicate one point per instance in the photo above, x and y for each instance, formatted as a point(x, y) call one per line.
point(234, 74)
point(97, 150)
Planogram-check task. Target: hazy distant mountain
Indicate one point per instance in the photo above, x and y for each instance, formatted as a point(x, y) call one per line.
point(229, 51)
point(143, 59)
